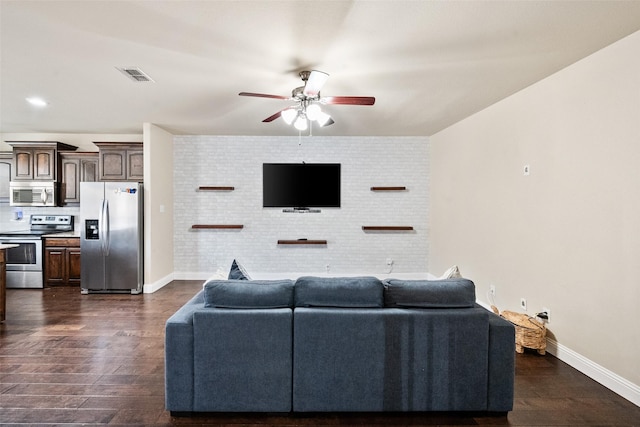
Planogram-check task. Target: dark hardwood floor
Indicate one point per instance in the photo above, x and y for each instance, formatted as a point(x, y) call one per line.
point(72, 359)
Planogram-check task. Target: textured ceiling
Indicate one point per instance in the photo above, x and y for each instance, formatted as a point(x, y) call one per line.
point(428, 63)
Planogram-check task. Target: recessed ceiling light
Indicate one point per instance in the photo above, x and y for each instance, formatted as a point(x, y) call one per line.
point(37, 102)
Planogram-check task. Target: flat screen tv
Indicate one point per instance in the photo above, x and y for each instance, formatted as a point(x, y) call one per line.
point(301, 185)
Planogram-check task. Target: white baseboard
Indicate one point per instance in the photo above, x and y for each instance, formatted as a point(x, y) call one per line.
point(150, 288)
point(186, 275)
point(611, 380)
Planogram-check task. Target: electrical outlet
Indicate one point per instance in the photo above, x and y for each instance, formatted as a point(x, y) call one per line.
point(548, 311)
point(389, 265)
point(492, 290)
point(328, 267)
point(526, 170)
point(523, 304)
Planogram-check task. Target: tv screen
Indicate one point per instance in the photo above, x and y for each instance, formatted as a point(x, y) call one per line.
point(301, 185)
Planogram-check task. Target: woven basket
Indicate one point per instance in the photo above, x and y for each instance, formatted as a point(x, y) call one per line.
point(530, 333)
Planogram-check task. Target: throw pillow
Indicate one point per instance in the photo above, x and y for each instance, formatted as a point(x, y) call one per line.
point(452, 273)
point(238, 272)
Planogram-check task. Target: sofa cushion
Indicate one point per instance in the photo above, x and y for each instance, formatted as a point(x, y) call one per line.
point(338, 292)
point(447, 293)
point(242, 360)
point(248, 293)
point(394, 359)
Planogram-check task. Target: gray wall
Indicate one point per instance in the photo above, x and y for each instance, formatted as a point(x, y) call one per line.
point(237, 161)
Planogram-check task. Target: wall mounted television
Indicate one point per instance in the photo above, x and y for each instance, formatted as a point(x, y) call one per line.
point(301, 186)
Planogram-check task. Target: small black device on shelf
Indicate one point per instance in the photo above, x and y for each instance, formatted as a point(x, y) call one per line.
point(299, 187)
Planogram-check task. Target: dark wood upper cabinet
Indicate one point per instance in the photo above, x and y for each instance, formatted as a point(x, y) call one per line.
point(37, 160)
point(6, 162)
point(76, 167)
point(120, 161)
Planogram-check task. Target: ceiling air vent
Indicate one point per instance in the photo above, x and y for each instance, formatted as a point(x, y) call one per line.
point(135, 74)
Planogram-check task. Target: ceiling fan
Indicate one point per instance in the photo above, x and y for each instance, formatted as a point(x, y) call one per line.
point(308, 100)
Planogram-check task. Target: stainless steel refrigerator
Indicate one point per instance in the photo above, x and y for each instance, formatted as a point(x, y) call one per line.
point(111, 237)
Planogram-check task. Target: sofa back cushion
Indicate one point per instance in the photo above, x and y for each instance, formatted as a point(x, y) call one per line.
point(447, 293)
point(248, 293)
point(350, 292)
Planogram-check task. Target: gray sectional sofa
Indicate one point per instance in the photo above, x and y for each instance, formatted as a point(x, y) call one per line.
point(343, 344)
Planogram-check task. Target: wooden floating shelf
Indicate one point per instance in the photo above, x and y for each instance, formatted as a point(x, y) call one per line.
point(217, 226)
point(302, 242)
point(387, 228)
point(211, 188)
point(388, 188)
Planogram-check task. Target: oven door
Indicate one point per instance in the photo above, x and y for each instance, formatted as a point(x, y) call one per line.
point(24, 263)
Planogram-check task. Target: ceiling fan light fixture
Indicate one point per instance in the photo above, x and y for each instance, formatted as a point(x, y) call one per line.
point(314, 81)
point(313, 111)
point(308, 99)
point(289, 115)
point(323, 119)
point(301, 123)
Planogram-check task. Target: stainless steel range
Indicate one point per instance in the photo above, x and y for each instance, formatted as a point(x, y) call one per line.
point(24, 262)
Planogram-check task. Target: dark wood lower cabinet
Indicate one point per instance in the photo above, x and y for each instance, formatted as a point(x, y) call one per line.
point(3, 285)
point(61, 261)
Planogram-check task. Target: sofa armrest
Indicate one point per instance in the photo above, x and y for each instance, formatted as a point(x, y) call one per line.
point(178, 359)
point(501, 364)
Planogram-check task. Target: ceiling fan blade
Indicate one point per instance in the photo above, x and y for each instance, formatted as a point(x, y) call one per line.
point(263, 95)
point(316, 80)
point(349, 100)
point(273, 117)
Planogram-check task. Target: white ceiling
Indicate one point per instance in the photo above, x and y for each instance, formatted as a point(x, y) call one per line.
point(428, 63)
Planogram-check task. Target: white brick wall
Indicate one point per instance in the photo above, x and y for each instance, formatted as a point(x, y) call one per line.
point(237, 161)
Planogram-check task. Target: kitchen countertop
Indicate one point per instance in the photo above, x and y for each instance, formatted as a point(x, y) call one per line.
point(63, 235)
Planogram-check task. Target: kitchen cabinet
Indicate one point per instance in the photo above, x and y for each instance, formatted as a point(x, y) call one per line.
point(121, 161)
point(36, 160)
point(61, 261)
point(6, 159)
point(76, 167)
point(3, 285)
point(34, 164)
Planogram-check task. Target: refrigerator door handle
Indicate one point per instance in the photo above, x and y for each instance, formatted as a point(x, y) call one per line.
point(101, 227)
point(107, 230)
point(104, 224)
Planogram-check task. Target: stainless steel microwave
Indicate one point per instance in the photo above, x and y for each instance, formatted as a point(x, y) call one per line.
point(33, 193)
